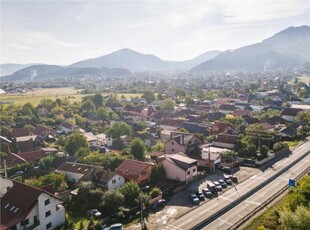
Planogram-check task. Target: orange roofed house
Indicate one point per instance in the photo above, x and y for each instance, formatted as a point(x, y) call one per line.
point(137, 171)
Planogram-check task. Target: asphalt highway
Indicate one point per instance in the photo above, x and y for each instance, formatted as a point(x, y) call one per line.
point(207, 209)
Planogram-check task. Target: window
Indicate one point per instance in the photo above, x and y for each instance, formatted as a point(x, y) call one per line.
point(48, 213)
point(49, 225)
point(144, 173)
point(172, 150)
point(188, 172)
point(194, 170)
point(46, 202)
point(113, 181)
point(172, 143)
point(24, 222)
point(13, 227)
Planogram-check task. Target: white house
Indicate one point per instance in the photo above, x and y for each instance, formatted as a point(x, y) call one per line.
point(91, 139)
point(103, 139)
point(179, 166)
point(108, 180)
point(68, 128)
point(27, 207)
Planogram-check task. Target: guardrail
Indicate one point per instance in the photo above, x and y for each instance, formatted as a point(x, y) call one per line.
point(265, 203)
point(247, 195)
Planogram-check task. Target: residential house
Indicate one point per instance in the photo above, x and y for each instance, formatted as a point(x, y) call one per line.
point(179, 167)
point(76, 172)
point(242, 113)
point(171, 124)
point(67, 128)
point(28, 143)
point(225, 140)
point(221, 127)
point(211, 157)
point(20, 132)
point(107, 179)
point(13, 159)
point(43, 110)
point(103, 139)
point(33, 156)
point(43, 131)
point(290, 114)
point(227, 108)
point(196, 128)
point(182, 142)
point(27, 207)
point(91, 139)
point(137, 171)
point(216, 116)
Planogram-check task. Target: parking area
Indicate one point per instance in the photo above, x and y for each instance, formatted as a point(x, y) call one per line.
point(180, 203)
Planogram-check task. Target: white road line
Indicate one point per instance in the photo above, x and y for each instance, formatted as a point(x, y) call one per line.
point(224, 221)
point(252, 202)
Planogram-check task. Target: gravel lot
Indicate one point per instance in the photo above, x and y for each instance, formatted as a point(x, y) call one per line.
point(180, 203)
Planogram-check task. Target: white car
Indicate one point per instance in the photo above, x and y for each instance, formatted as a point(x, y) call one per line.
point(94, 213)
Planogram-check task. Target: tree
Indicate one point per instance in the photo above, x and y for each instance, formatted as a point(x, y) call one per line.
point(55, 179)
point(299, 219)
point(148, 95)
point(74, 142)
point(228, 156)
point(45, 162)
point(14, 146)
point(155, 192)
point(98, 100)
point(88, 106)
point(167, 105)
point(112, 201)
point(120, 128)
point(158, 174)
point(137, 148)
point(131, 191)
point(102, 113)
point(183, 130)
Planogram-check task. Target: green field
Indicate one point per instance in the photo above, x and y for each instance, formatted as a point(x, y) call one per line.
point(53, 93)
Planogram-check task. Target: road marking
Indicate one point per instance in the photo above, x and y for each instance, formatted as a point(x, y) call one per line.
point(240, 216)
point(185, 222)
point(252, 202)
point(224, 221)
point(225, 198)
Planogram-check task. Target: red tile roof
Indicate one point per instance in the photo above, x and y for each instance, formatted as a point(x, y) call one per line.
point(40, 129)
point(20, 132)
point(14, 159)
point(33, 155)
point(131, 169)
point(241, 113)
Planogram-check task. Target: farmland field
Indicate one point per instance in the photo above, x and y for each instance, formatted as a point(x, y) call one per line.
point(53, 93)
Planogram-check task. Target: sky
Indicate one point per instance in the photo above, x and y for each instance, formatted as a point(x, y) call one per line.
point(64, 32)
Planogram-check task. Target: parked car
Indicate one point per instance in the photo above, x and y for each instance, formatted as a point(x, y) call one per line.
point(117, 226)
point(218, 186)
point(200, 196)
point(207, 193)
point(194, 198)
point(234, 179)
point(223, 183)
point(159, 204)
point(18, 173)
point(226, 169)
point(94, 213)
point(212, 187)
point(228, 181)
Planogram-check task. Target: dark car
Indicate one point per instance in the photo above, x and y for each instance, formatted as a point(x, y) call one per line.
point(194, 198)
point(159, 204)
point(234, 179)
point(200, 196)
point(207, 193)
point(223, 183)
point(218, 186)
point(228, 181)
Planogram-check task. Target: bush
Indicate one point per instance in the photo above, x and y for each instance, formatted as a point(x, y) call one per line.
point(155, 192)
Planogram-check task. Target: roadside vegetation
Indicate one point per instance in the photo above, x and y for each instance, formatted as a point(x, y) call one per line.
point(292, 212)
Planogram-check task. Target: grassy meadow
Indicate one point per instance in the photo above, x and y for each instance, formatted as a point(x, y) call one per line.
point(53, 93)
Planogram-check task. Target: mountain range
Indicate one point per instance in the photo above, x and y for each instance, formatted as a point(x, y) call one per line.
point(286, 49)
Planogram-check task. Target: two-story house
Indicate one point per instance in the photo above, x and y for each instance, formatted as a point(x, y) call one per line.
point(181, 142)
point(27, 207)
point(137, 171)
point(67, 128)
point(179, 166)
